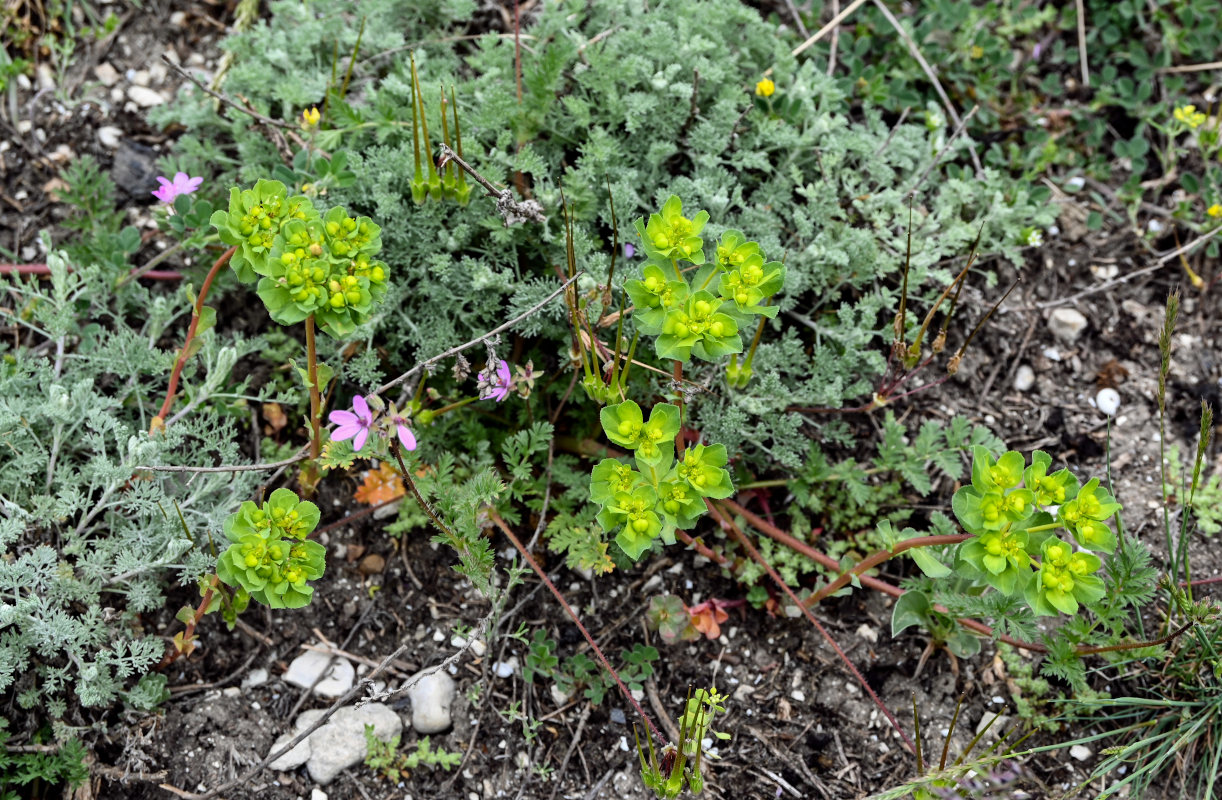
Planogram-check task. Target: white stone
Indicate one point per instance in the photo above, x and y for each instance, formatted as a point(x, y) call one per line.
point(45, 76)
point(1108, 401)
point(341, 742)
point(559, 697)
point(1080, 752)
point(109, 136)
point(231, 691)
point(1067, 323)
point(256, 677)
point(479, 647)
point(178, 19)
point(307, 667)
point(338, 744)
point(315, 793)
point(107, 74)
point(505, 669)
point(867, 633)
point(145, 97)
point(995, 723)
point(432, 695)
point(1024, 378)
point(139, 77)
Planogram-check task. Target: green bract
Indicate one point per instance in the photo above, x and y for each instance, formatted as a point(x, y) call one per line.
point(698, 327)
point(663, 495)
point(269, 556)
point(254, 219)
point(1065, 579)
point(750, 284)
point(670, 235)
point(733, 249)
point(1002, 510)
point(1085, 514)
point(653, 296)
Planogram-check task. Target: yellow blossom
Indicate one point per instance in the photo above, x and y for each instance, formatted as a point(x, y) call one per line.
point(310, 117)
point(765, 88)
point(1190, 116)
point(1214, 211)
point(977, 51)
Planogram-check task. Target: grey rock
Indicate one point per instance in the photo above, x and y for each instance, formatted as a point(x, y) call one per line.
point(337, 678)
point(1067, 324)
point(256, 677)
point(432, 696)
point(135, 169)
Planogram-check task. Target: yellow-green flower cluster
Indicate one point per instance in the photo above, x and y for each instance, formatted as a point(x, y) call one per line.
point(270, 557)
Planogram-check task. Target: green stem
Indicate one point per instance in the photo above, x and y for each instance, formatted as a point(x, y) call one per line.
point(453, 406)
point(1050, 526)
point(754, 344)
point(315, 397)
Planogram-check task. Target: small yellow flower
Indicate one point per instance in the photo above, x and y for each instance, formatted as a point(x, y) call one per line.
point(310, 117)
point(765, 88)
point(1214, 211)
point(1190, 116)
point(977, 51)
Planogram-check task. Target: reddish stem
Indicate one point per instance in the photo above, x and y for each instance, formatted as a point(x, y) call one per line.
point(874, 559)
point(159, 420)
point(174, 653)
point(500, 523)
point(43, 269)
point(780, 582)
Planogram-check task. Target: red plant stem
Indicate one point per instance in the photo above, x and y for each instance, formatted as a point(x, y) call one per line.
point(315, 399)
point(500, 523)
point(874, 559)
point(43, 269)
point(780, 536)
point(780, 582)
point(159, 420)
point(173, 653)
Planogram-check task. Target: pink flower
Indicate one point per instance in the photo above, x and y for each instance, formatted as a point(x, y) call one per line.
point(400, 422)
point(182, 184)
point(496, 386)
point(356, 423)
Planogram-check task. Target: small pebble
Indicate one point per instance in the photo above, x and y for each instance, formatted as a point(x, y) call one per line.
point(1067, 324)
point(372, 564)
point(110, 136)
point(1024, 379)
point(107, 74)
point(617, 716)
point(1108, 401)
point(505, 669)
point(144, 96)
point(256, 677)
point(1080, 752)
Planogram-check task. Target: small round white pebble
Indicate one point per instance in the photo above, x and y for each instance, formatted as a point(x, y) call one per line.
point(1108, 401)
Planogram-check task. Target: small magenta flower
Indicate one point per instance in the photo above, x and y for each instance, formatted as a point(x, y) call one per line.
point(629, 250)
point(356, 423)
point(399, 422)
point(496, 386)
point(170, 189)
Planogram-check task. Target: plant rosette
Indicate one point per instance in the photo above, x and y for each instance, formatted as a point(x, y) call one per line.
point(269, 556)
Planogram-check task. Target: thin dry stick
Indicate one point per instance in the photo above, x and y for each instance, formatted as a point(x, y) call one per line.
point(1192, 67)
point(1162, 261)
point(830, 26)
point(1082, 42)
point(797, 18)
point(229, 101)
point(929, 73)
point(466, 345)
point(937, 158)
point(301, 455)
point(835, 44)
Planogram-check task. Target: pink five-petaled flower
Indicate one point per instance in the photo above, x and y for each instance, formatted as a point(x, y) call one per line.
point(496, 386)
point(182, 184)
point(355, 423)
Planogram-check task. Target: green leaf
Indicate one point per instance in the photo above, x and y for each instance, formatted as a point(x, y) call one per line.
point(928, 563)
point(912, 608)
